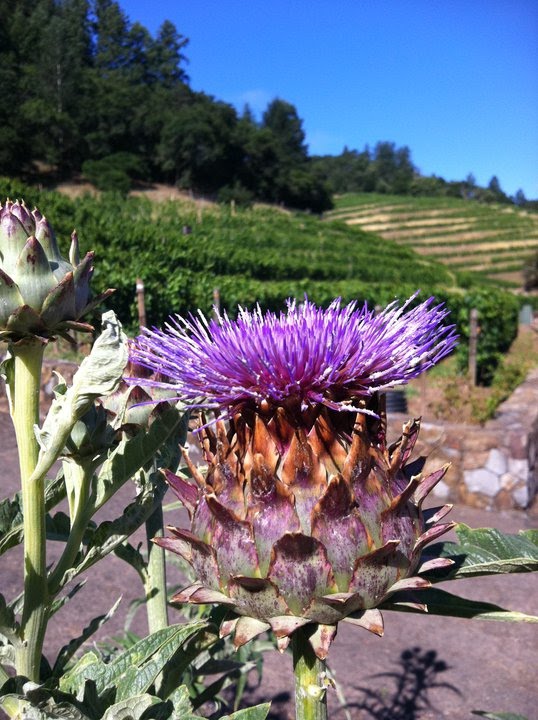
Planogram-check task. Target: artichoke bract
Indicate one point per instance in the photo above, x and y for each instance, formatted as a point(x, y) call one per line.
point(41, 294)
point(303, 513)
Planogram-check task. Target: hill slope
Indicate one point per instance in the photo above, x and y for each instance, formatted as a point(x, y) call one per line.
point(494, 240)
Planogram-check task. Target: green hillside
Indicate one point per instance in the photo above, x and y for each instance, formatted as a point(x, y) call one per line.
point(493, 240)
point(184, 251)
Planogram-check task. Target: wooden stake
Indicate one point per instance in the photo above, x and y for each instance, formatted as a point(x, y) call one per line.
point(473, 344)
point(141, 301)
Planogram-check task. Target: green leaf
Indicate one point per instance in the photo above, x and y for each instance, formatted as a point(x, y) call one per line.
point(440, 602)
point(485, 551)
point(181, 702)
point(58, 603)
point(140, 678)
point(132, 708)
point(67, 651)
point(89, 666)
point(498, 716)
point(35, 702)
point(9, 627)
point(134, 453)
point(129, 554)
point(111, 533)
point(147, 658)
point(99, 374)
point(11, 527)
point(258, 712)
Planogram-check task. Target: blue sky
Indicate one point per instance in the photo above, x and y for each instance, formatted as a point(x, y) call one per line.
point(454, 80)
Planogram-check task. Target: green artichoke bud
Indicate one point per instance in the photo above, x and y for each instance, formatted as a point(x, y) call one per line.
point(41, 293)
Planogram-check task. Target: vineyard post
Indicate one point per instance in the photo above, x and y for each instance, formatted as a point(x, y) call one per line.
point(141, 302)
point(216, 303)
point(473, 343)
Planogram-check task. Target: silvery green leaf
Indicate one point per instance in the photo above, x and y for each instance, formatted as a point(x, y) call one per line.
point(440, 602)
point(140, 677)
point(132, 708)
point(9, 627)
point(125, 551)
point(498, 715)
point(134, 453)
point(89, 666)
point(67, 652)
point(111, 533)
point(258, 712)
point(34, 702)
point(147, 657)
point(11, 528)
point(485, 551)
point(181, 701)
point(58, 603)
point(99, 374)
point(7, 654)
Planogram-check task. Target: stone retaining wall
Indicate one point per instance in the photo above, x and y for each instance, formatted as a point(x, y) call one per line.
point(492, 466)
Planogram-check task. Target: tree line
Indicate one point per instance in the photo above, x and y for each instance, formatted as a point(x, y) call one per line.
point(85, 90)
point(88, 91)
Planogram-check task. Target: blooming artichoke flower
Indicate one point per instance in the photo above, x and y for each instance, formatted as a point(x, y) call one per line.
point(41, 293)
point(304, 514)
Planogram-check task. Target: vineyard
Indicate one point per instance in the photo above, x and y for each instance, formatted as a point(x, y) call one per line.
point(185, 251)
point(493, 240)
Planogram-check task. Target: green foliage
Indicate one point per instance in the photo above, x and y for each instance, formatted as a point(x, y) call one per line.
point(113, 173)
point(530, 272)
point(485, 551)
point(261, 255)
point(498, 321)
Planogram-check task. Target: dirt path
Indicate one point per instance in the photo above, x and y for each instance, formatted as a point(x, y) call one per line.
point(444, 667)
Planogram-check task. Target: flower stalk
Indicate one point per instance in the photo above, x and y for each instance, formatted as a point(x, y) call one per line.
point(310, 671)
point(156, 604)
point(25, 384)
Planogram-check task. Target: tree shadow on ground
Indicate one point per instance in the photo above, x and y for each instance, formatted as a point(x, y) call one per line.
point(418, 674)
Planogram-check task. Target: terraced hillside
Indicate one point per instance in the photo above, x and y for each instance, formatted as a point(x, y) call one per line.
point(494, 240)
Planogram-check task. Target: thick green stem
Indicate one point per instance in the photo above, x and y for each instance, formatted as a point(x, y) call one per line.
point(24, 401)
point(78, 480)
point(310, 672)
point(156, 606)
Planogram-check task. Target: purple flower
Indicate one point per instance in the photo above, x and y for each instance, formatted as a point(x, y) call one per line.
point(303, 357)
point(304, 515)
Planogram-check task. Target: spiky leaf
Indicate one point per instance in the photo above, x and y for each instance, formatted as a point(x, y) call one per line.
point(440, 602)
point(485, 551)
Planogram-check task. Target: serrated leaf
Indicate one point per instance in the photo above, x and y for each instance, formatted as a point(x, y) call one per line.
point(111, 533)
point(58, 603)
point(129, 554)
point(134, 453)
point(35, 702)
point(181, 702)
point(132, 708)
point(258, 712)
point(498, 715)
point(440, 602)
point(67, 651)
point(485, 551)
point(89, 666)
point(99, 374)
point(9, 627)
point(160, 644)
point(145, 674)
point(11, 536)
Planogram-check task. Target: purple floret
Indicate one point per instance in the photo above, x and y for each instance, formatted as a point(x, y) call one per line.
point(306, 354)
